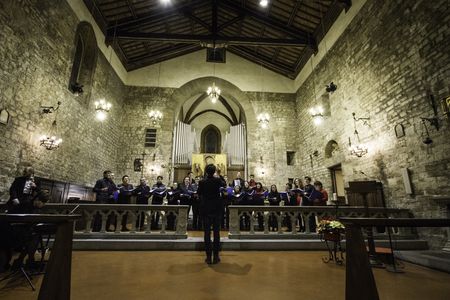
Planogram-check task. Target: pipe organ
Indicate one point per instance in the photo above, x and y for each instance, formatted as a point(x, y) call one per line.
point(235, 145)
point(183, 143)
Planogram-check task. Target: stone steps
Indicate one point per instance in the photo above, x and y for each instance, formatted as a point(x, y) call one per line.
point(196, 243)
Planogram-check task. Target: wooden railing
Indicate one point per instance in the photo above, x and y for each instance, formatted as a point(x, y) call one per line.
point(359, 279)
point(261, 215)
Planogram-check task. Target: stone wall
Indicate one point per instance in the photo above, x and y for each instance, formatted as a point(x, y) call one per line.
point(271, 143)
point(387, 62)
point(36, 54)
point(139, 101)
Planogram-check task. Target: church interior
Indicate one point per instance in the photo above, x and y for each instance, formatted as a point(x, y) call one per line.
point(327, 121)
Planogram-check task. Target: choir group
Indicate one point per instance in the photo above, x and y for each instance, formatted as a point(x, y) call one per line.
point(234, 192)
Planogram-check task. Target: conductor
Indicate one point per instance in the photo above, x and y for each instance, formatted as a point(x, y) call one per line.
point(211, 206)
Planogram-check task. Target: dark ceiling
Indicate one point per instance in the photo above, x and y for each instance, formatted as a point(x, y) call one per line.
point(281, 37)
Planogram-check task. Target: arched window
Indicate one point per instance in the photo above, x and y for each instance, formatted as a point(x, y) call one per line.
point(211, 139)
point(84, 60)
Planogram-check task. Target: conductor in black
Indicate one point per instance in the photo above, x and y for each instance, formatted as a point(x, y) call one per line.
point(211, 206)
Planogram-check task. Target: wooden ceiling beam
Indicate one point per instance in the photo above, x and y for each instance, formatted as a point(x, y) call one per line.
point(276, 67)
point(162, 54)
point(160, 13)
point(190, 38)
point(273, 23)
point(230, 22)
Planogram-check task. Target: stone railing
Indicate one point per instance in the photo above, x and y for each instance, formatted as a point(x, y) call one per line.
point(288, 219)
point(96, 218)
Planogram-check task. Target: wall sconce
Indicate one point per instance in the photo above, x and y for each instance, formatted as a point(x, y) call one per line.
point(49, 109)
point(50, 142)
point(331, 87)
point(155, 116)
point(365, 120)
point(263, 120)
point(317, 114)
point(101, 109)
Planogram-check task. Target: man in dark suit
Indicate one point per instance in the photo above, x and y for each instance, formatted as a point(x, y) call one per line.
point(211, 206)
point(23, 192)
point(104, 189)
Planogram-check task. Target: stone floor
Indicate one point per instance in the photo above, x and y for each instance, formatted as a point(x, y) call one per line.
point(240, 276)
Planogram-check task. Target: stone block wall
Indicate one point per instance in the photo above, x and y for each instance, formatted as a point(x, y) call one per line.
point(36, 54)
point(271, 143)
point(389, 60)
point(139, 101)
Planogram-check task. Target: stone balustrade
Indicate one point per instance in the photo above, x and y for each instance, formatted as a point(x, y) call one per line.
point(97, 216)
point(259, 216)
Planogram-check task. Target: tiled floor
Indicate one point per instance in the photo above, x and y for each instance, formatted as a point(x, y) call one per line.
point(240, 276)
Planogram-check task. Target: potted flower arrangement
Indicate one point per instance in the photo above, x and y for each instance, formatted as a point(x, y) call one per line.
point(331, 230)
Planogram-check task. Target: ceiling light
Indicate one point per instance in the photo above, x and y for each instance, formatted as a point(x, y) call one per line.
point(213, 93)
point(264, 3)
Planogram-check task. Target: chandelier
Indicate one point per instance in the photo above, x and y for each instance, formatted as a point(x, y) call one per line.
point(102, 108)
point(50, 142)
point(155, 116)
point(317, 114)
point(358, 150)
point(213, 93)
point(263, 120)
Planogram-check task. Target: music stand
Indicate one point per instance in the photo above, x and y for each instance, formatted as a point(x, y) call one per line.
point(364, 188)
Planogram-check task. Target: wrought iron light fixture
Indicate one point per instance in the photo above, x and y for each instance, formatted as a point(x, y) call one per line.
point(50, 109)
point(358, 150)
point(50, 142)
point(364, 120)
point(263, 120)
point(102, 108)
point(155, 116)
point(317, 114)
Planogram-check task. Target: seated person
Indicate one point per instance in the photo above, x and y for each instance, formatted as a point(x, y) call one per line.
point(26, 197)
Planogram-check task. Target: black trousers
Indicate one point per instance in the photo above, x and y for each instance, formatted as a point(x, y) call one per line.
point(214, 222)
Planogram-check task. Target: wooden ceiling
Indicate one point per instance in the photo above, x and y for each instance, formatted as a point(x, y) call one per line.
point(281, 37)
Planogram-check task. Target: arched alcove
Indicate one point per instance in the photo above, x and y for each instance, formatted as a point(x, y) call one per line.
point(211, 139)
point(84, 61)
point(331, 149)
